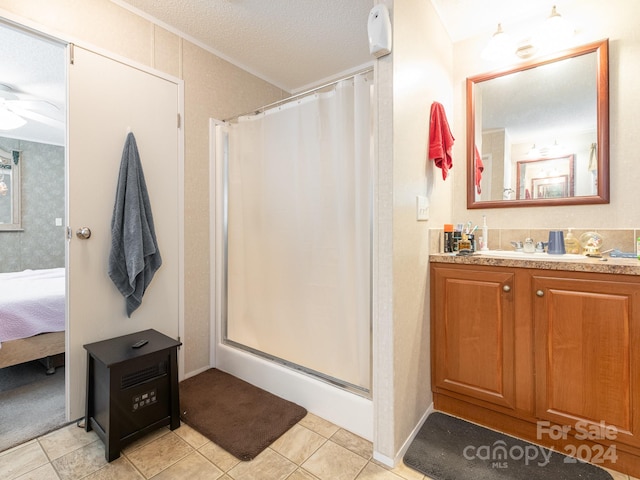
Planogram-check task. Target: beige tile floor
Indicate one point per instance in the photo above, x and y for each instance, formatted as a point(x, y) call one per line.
point(314, 449)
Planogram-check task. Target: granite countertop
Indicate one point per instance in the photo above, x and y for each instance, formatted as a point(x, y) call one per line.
point(606, 264)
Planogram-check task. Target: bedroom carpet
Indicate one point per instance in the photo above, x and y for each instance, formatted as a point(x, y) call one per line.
point(237, 416)
point(31, 403)
point(448, 448)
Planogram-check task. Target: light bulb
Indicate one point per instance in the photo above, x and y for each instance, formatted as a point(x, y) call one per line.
point(555, 33)
point(500, 46)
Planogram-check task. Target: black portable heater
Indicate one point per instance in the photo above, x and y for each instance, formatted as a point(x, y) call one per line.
point(132, 388)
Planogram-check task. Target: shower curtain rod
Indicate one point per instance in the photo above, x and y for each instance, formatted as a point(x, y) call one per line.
point(298, 95)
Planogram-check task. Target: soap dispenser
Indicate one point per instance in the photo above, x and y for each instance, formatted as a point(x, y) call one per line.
point(529, 246)
point(571, 243)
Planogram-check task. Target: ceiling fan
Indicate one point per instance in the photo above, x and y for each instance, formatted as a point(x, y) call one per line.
point(18, 108)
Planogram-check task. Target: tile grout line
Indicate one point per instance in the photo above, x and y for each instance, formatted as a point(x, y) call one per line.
point(135, 467)
point(170, 432)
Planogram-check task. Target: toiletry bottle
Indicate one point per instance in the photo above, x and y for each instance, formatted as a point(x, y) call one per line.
point(485, 234)
point(448, 237)
point(529, 246)
point(472, 242)
point(457, 236)
point(464, 243)
point(571, 243)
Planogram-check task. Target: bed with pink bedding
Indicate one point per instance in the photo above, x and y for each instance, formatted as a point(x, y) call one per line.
point(32, 315)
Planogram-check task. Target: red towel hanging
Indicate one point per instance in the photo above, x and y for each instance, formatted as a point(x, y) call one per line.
point(479, 170)
point(440, 139)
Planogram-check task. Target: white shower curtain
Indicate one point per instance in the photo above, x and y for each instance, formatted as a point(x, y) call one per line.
point(299, 232)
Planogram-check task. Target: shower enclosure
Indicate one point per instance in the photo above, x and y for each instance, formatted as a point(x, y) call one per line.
point(294, 221)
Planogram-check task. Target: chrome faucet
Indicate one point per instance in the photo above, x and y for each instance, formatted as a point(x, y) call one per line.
point(517, 246)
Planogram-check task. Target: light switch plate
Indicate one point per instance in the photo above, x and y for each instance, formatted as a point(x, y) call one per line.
point(422, 208)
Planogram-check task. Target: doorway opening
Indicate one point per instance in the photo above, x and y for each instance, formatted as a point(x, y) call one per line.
point(32, 234)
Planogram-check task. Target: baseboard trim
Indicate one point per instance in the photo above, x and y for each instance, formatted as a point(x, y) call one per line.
point(414, 433)
point(193, 373)
point(383, 459)
point(392, 462)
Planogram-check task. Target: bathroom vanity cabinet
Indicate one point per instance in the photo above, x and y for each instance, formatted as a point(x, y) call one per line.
point(587, 355)
point(547, 355)
point(474, 335)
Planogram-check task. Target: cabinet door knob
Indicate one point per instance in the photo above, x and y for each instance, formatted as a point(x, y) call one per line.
point(540, 293)
point(506, 288)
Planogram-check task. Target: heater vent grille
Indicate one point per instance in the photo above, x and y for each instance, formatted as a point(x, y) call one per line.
point(140, 376)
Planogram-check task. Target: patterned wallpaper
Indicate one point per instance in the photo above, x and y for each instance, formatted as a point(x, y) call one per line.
point(40, 244)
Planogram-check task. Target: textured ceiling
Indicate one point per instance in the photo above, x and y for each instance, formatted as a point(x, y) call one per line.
point(290, 43)
point(296, 44)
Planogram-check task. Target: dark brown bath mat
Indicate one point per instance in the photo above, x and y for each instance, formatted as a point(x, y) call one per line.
point(239, 417)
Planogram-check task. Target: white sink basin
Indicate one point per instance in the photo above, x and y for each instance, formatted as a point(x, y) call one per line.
point(532, 256)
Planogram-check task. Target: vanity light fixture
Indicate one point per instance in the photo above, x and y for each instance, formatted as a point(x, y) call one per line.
point(527, 50)
point(554, 33)
point(500, 46)
point(557, 26)
point(534, 152)
point(546, 150)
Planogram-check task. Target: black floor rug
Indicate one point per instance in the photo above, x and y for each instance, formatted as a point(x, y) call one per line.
point(447, 448)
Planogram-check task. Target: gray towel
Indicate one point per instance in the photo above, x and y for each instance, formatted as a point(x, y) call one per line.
point(134, 256)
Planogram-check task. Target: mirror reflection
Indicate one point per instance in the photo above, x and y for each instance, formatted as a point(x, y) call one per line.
point(546, 178)
point(538, 133)
point(9, 190)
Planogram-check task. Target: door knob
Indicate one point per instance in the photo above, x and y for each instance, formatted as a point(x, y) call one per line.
point(506, 288)
point(83, 233)
point(540, 293)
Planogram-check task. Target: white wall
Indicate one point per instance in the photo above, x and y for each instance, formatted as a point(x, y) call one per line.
point(594, 20)
point(421, 65)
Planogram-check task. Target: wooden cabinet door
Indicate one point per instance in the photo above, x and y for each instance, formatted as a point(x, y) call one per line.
point(587, 357)
point(473, 333)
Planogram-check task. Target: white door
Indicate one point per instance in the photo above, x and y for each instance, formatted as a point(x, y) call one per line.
point(107, 99)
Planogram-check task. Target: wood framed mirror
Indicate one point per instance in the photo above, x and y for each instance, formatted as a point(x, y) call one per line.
point(544, 110)
point(10, 190)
